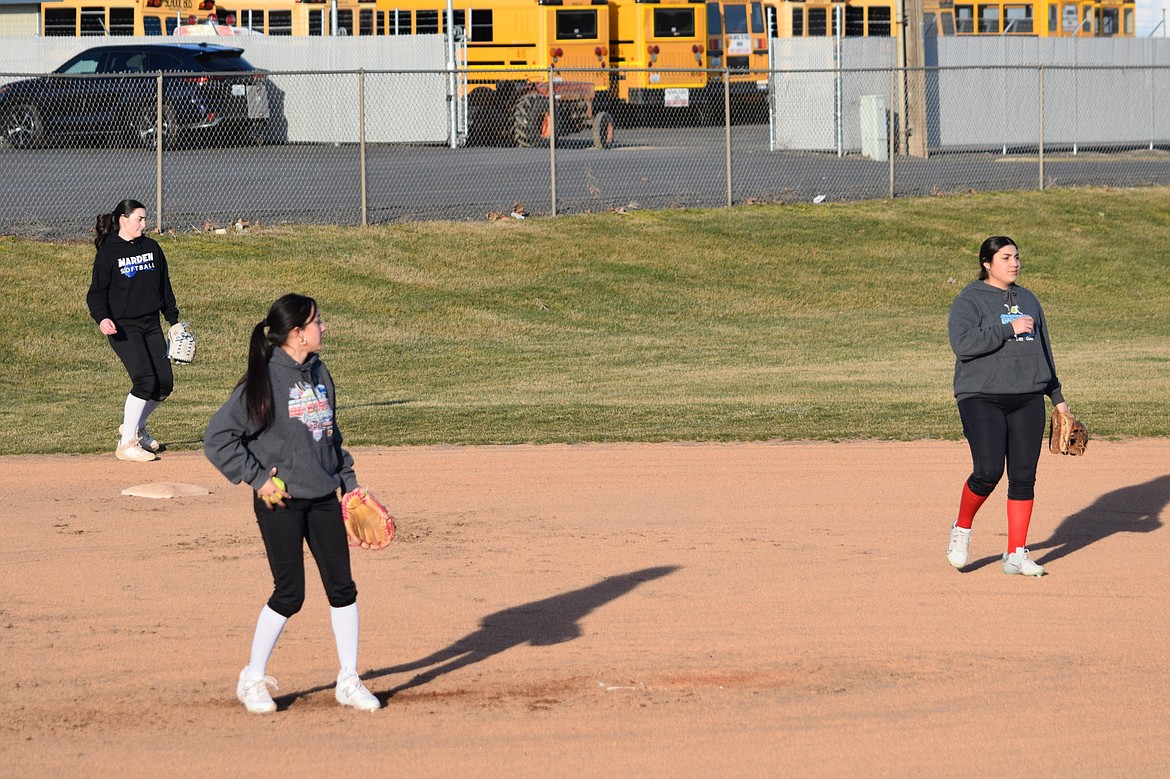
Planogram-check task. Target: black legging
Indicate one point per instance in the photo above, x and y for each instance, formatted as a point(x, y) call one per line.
point(285, 530)
point(1003, 428)
point(142, 348)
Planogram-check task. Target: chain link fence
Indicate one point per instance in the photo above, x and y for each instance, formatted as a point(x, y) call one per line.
point(367, 147)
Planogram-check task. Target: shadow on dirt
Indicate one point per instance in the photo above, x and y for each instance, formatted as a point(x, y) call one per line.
point(1133, 509)
point(545, 622)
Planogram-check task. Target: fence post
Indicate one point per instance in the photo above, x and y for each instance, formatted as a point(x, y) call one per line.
point(727, 124)
point(362, 138)
point(890, 130)
point(158, 149)
point(1041, 147)
point(552, 139)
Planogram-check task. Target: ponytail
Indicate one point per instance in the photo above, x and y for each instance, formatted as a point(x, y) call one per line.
point(107, 224)
point(287, 313)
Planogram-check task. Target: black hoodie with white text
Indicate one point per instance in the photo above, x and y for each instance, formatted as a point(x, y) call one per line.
point(130, 280)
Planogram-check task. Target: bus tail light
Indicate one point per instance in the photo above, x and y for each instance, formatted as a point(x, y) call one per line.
point(556, 53)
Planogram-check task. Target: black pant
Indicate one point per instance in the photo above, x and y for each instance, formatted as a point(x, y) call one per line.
point(141, 346)
point(1003, 428)
point(285, 530)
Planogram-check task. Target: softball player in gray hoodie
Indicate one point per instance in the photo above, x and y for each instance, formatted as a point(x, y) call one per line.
point(279, 420)
point(1003, 370)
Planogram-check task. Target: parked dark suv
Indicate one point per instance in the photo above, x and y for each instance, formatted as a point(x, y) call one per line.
point(108, 91)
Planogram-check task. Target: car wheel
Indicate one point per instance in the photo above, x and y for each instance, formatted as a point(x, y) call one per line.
point(147, 131)
point(23, 126)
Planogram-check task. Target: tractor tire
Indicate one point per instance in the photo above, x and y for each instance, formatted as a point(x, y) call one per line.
point(603, 130)
point(531, 123)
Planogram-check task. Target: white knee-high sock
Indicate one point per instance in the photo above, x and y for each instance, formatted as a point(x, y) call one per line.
point(345, 632)
point(131, 414)
point(268, 629)
point(147, 410)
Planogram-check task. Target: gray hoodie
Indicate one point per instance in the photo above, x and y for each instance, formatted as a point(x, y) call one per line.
point(991, 358)
point(303, 443)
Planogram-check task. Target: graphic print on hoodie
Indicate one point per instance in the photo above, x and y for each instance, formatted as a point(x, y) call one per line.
point(311, 405)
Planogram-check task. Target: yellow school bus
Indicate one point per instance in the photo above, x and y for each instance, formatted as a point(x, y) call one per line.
point(823, 18)
point(653, 37)
point(1041, 18)
point(737, 43)
point(276, 17)
point(120, 17)
point(510, 47)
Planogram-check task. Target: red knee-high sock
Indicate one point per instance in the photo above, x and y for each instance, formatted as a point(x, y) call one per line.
point(1019, 516)
point(969, 504)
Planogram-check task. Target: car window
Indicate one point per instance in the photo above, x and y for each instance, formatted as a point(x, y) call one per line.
point(159, 60)
point(83, 63)
point(126, 62)
point(222, 61)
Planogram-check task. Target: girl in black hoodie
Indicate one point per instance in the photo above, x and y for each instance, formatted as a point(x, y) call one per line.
point(130, 287)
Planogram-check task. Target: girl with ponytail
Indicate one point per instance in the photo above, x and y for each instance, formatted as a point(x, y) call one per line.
point(129, 287)
point(278, 434)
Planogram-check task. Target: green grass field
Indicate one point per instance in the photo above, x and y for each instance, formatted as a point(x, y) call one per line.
point(780, 322)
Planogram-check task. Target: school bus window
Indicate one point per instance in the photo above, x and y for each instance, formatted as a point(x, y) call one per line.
point(253, 20)
point(948, 24)
point(1017, 19)
point(854, 20)
point(797, 22)
point(1128, 15)
point(481, 26)
point(122, 21)
point(426, 22)
point(366, 22)
point(316, 22)
point(458, 19)
point(151, 25)
point(757, 17)
point(818, 22)
point(989, 19)
point(964, 18)
point(879, 21)
point(1107, 21)
point(714, 20)
point(93, 21)
point(60, 21)
point(280, 22)
point(379, 24)
point(674, 22)
point(574, 24)
point(735, 19)
point(398, 23)
point(345, 21)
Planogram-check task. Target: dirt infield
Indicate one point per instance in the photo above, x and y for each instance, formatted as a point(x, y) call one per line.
point(668, 610)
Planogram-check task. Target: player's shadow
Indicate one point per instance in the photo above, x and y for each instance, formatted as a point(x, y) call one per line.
point(1133, 509)
point(545, 622)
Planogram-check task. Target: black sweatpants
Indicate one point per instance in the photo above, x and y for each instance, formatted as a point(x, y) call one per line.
point(142, 348)
point(285, 530)
point(999, 429)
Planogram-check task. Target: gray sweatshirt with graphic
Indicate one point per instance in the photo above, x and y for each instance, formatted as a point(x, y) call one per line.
point(990, 358)
point(303, 442)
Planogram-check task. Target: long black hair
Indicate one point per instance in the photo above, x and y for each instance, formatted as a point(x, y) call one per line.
point(989, 248)
point(107, 224)
point(288, 312)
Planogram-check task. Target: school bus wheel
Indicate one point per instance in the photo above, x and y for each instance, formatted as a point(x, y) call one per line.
point(603, 130)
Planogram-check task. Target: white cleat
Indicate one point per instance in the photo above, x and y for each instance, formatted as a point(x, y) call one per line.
point(253, 693)
point(1017, 563)
point(351, 692)
point(960, 543)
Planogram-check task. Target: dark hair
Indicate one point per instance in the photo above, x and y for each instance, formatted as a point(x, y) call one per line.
point(107, 224)
point(288, 312)
point(989, 248)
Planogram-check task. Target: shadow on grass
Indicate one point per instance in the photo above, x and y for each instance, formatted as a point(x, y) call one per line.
point(545, 622)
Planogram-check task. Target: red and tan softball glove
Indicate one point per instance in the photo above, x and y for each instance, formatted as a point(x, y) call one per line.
point(367, 522)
